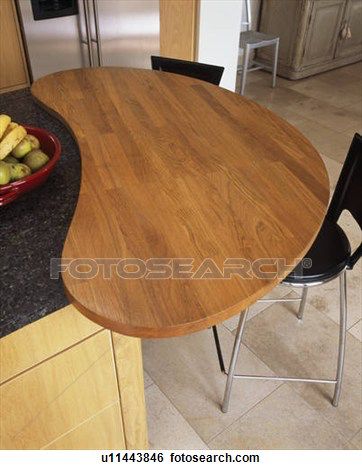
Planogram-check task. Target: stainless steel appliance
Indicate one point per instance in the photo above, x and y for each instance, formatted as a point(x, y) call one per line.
point(67, 34)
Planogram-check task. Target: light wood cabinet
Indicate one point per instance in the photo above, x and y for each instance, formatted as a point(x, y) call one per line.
point(13, 69)
point(178, 28)
point(66, 383)
point(315, 35)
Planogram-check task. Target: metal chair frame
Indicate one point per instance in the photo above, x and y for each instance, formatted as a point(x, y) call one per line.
point(346, 196)
point(244, 68)
point(337, 381)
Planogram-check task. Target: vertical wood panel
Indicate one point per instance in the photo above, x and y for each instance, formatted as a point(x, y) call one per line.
point(178, 28)
point(128, 363)
point(13, 73)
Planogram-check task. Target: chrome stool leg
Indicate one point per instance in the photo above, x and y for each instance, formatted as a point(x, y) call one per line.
point(342, 336)
point(302, 303)
point(234, 357)
point(275, 62)
point(245, 68)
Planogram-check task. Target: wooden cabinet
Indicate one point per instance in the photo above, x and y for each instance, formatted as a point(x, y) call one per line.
point(315, 35)
point(66, 383)
point(350, 42)
point(323, 30)
point(178, 28)
point(13, 69)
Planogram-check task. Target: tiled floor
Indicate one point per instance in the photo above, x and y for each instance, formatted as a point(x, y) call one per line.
point(183, 384)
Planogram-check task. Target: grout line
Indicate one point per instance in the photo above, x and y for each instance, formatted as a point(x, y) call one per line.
point(354, 324)
point(178, 411)
point(354, 435)
point(245, 413)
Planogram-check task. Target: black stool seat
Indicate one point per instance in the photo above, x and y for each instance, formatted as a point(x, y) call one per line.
point(330, 254)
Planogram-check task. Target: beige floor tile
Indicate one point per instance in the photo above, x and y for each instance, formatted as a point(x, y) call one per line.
point(167, 429)
point(325, 89)
point(282, 421)
point(309, 349)
point(186, 370)
point(147, 379)
point(356, 441)
point(356, 108)
point(289, 97)
point(333, 168)
point(356, 330)
point(277, 293)
point(351, 228)
point(325, 298)
point(327, 141)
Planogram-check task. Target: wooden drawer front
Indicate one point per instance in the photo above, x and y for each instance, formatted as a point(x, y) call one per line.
point(102, 431)
point(58, 395)
point(42, 339)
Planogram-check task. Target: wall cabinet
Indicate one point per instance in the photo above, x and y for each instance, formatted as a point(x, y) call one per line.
point(315, 35)
point(13, 69)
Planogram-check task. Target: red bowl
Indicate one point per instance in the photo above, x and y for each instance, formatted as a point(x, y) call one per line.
point(51, 146)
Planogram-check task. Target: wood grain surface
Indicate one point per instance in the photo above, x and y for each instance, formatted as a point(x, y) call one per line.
point(173, 167)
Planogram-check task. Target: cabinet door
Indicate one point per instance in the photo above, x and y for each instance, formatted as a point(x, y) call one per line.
point(351, 44)
point(12, 64)
point(64, 400)
point(325, 24)
point(281, 19)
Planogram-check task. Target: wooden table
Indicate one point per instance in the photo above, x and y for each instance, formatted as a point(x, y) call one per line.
point(173, 167)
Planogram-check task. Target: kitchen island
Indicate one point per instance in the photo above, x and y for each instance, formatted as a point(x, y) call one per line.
point(65, 382)
point(173, 170)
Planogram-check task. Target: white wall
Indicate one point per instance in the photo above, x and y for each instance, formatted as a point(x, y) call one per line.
point(218, 44)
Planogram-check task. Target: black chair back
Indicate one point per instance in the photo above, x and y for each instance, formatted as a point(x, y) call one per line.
point(205, 72)
point(348, 192)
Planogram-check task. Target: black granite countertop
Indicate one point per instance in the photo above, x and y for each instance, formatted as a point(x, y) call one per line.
point(33, 228)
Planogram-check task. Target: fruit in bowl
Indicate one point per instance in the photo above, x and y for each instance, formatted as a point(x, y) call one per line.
point(16, 144)
point(27, 157)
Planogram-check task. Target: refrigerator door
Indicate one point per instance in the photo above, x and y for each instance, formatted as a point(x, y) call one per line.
point(54, 44)
point(129, 32)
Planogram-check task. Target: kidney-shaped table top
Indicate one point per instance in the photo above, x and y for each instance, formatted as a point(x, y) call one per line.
point(184, 187)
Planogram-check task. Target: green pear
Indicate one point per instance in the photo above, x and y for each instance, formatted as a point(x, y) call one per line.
point(4, 173)
point(36, 159)
point(34, 142)
point(10, 159)
point(22, 148)
point(18, 171)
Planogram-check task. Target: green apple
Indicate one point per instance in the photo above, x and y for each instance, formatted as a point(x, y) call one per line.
point(4, 173)
point(22, 149)
point(36, 159)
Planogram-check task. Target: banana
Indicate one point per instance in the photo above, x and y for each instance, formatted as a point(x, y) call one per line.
point(4, 122)
point(11, 141)
point(10, 127)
